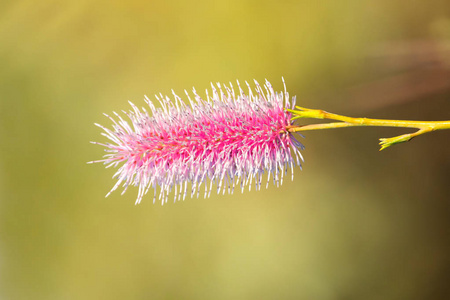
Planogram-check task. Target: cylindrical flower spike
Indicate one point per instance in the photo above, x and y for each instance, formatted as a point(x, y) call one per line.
point(227, 139)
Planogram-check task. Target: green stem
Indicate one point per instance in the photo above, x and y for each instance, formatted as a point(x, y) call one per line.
point(423, 126)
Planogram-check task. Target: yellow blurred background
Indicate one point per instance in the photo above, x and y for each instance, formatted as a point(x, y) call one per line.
point(354, 224)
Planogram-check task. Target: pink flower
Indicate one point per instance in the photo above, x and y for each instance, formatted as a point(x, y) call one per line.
point(228, 140)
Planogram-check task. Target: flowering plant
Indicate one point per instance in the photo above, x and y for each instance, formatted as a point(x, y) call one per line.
point(228, 139)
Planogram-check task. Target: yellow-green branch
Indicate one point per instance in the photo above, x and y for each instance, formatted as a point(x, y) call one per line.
point(423, 126)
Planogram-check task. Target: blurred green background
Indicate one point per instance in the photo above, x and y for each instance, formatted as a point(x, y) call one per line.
point(354, 224)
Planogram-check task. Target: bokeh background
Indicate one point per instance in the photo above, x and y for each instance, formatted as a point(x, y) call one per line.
point(356, 223)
